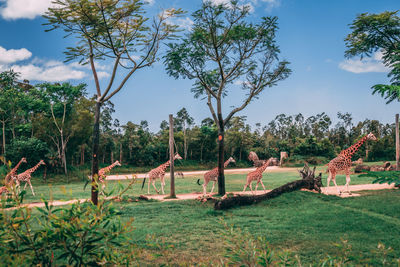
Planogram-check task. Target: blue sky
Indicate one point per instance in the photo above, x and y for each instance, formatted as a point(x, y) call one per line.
point(311, 36)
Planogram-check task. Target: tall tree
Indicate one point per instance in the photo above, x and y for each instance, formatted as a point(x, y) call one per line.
point(61, 99)
point(223, 47)
point(184, 121)
point(378, 32)
point(112, 30)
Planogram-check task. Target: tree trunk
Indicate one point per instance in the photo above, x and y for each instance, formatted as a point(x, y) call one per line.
point(184, 142)
point(4, 142)
point(63, 157)
point(221, 177)
point(112, 156)
point(309, 181)
point(120, 153)
point(95, 151)
point(83, 154)
point(171, 155)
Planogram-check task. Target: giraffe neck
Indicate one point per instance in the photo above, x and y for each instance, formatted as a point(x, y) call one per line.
point(264, 166)
point(111, 166)
point(353, 149)
point(31, 170)
point(16, 167)
point(165, 165)
point(226, 163)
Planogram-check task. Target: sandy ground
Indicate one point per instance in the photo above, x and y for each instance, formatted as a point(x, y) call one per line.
point(201, 173)
point(328, 191)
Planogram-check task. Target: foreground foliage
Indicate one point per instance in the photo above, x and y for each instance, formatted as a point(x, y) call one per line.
point(81, 234)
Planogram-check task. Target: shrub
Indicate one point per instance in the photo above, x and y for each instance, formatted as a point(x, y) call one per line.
point(82, 234)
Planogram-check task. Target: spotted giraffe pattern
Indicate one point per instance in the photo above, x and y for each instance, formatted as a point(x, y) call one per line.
point(213, 176)
point(13, 172)
point(159, 172)
point(343, 162)
point(103, 171)
point(27, 175)
point(256, 176)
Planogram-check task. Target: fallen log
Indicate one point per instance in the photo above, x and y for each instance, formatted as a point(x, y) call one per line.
point(308, 181)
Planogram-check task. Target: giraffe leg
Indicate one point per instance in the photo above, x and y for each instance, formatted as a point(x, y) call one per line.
point(162, 184)
point(26, 183)
point(33, 193)
point(257, 185)
point(212, 189)
point(154, 185)
point(148, 187)
point(334, 181)
point(245, 186)
point(263, 186)
point(328, 180)
point(348, 181)
point(251, 188)
point(205, 187)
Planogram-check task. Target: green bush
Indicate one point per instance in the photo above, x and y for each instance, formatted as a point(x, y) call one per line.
point(79, 235)
point(32, 149)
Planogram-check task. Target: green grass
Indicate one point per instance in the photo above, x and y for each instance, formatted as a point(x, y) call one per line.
point(302, 222)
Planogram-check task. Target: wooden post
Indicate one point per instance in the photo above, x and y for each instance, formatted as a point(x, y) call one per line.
point(171, 155)
point(397, 144)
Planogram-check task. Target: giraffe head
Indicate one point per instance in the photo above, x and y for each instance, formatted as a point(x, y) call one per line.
point(177, 156)
point(23, 160)
point(371, 136)
point(117, 163)
point(41, 162)
point(232, 160)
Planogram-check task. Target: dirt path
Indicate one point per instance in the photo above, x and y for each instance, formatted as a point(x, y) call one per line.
point(328, 191)
point(201, 173)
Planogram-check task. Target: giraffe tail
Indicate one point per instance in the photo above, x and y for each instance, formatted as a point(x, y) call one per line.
point(198, 182)
point(144, 181)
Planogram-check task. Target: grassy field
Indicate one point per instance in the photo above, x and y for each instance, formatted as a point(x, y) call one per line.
point(234, 182)
point(301, 223)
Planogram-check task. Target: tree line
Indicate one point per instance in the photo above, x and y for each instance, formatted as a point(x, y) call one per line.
point(53, 121)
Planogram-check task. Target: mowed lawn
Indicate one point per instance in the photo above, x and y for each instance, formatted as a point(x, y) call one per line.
point(302, 223)
point(234, 182)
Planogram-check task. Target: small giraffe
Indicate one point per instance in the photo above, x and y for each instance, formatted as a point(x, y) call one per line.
point(13, 172)
point(26, 176)
point(256, 176)
point(159, 172)
point(105, 170)
point(213, 176)
point(343, 162)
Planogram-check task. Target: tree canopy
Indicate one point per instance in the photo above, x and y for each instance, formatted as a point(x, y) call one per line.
point(378, 32)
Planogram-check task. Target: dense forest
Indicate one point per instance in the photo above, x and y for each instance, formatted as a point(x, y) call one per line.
point(54, 122)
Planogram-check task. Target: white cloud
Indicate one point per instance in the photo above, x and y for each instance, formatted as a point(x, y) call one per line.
point(372, 64)
point(13, 55)
point(29, 9)
point(55, 73)
point(183, 23)
point(38, 69)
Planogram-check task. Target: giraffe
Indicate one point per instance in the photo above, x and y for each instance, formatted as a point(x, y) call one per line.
point(256, 176)
point(26, 176)
point(105, 170)
point(13, 172)
point(343, 162)
point(158, 172)
point(213, 176)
